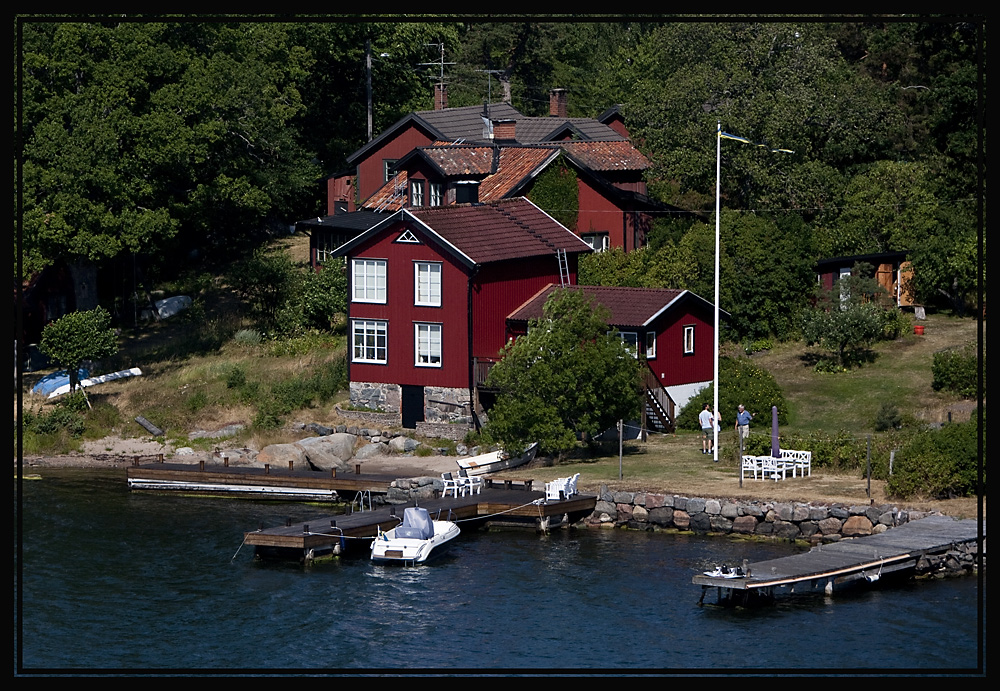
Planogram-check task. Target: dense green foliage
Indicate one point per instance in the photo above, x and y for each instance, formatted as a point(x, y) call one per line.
point(79, 336)
point(938, 463)
point(556, 192)
point(567, 378)
point(741, 381)
point(155, 139)
point(956, 370)
point(286, 300)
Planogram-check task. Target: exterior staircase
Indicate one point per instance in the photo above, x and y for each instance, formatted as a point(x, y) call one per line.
point(659, 407)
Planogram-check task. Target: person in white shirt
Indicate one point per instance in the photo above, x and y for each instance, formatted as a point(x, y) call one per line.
point(706, 420)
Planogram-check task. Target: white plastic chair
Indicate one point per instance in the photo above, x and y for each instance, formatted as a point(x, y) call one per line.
point(452, 485)
point(772, 468)
point(571, 485)
point(751, 464)
point(473, 484)
point(556, 489)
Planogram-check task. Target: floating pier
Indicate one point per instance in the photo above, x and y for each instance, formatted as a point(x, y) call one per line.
point(267, 482)
point(344, 533)
point(831, 567)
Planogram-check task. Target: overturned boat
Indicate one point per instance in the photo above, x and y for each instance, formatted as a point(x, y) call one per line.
point(415, 540)
point(496, 460)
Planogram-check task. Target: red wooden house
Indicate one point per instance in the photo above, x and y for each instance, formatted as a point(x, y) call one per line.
point(429, 293)
point(480, 154)
point(672, 330)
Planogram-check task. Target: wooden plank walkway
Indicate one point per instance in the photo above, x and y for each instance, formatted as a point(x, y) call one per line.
point(495, 505)
point(828, 566)
point(283, 483)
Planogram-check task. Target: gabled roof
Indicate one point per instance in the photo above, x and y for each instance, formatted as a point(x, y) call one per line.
point(465, 126)
point(449, 124)
point(606, 156)
point(629, 307)
point(552, 129)
point(502, 170)
point(485, 233)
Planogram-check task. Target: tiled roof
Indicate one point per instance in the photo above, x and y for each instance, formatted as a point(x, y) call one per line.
point(386, 199)
point(507, 229)
point(460, 160)
point(632, 307)
point(516, 165)
point(465, 123)
point(606, 156)
point(537, 130)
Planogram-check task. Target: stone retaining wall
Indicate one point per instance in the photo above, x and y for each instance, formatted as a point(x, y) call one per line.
point(443, 430)
point(816, 523)
point(370, 417)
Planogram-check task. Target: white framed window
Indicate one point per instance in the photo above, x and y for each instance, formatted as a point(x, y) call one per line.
point(369, 280)
point(428, 345)
point(326, 243)
point(689, 340)
point(631, 341)
point(370, 338)
point(427, 284)
point(388, 168)
point(650, 345)
point(436, 194)
point(599, 242)
point(417, 193)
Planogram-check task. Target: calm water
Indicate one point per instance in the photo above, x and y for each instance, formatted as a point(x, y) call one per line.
point(114, 581)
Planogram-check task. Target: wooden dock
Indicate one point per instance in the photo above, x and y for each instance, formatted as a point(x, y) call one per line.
point(830, 567)
point(267, 482)
point(344, 533)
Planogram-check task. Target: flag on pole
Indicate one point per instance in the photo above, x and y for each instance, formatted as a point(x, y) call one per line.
point(726, 135)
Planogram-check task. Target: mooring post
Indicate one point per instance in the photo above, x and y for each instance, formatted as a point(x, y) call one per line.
point(225, 461)
point(357, 468)
point(291, 465)
point(267, 468)
point(160, 457)
point(201, 465)
point(333, 472)
point(135, 460)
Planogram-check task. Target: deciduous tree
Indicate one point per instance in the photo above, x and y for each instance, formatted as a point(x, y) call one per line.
point(79, 336)
point(567, 378)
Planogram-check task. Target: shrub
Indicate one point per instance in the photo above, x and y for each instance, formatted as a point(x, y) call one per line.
point(888, 417)
point(955, 370)
point(938, 463)
point(740, 381)
point(236, 377)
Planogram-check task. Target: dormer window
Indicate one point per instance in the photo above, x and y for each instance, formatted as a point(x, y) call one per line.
point(417, 193)
point(436, 193)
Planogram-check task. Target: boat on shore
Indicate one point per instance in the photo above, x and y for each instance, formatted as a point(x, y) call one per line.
point(496, 460)
point(415, 540)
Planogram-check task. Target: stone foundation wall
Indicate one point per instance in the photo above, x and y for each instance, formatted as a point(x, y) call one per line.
point(446, 405)
point(386, 398)
point(443, 430)
point(787, 520)
point(370, 417)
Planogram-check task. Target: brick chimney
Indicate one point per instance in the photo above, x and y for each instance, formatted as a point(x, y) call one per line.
point(440, 96)
point(557, 103)
point(504, 130)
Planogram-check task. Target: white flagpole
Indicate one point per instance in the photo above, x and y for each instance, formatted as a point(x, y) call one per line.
point(715, 374)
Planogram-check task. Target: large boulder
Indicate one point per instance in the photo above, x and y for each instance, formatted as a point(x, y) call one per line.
point(279, 455)
point(371, 451)
point(403, 444)
point(332, 451)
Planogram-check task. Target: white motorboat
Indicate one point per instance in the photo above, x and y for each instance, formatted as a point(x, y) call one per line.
point(415, 540)
point(496, 460)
